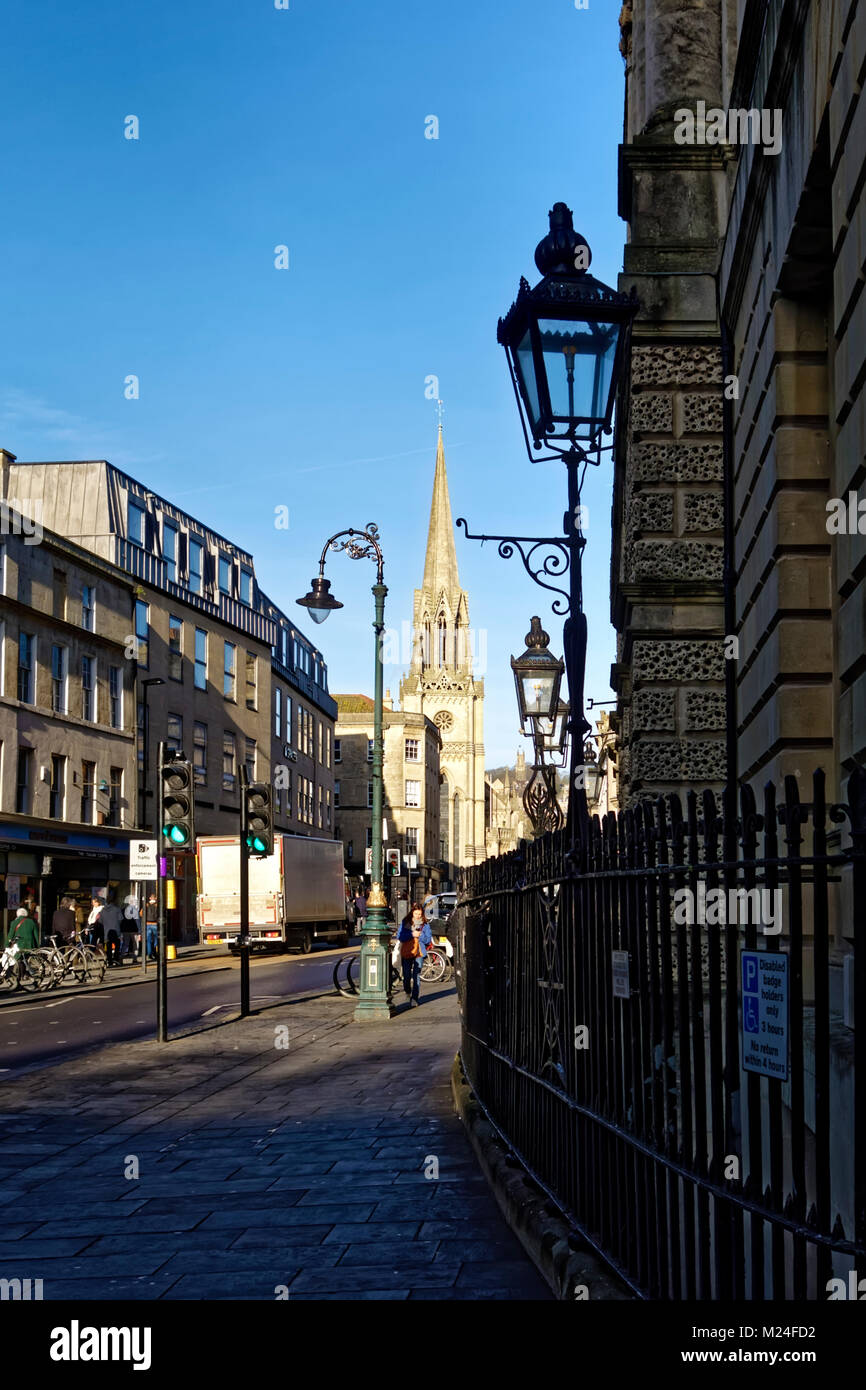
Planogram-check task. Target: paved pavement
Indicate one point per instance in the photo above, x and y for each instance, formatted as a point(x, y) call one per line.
point(333, 1168)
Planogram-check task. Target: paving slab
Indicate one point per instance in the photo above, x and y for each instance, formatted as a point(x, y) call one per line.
point(260, 1170)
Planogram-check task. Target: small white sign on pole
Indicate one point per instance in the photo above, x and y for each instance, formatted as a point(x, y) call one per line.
point(368, 860)
point(619, 962)
point(142, 860)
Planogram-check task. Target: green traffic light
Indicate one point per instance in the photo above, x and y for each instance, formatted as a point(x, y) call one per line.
point(256, 844)
point(176, 833)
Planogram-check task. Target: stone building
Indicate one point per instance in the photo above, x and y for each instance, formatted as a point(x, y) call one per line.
point(219, 672)
point(441, 685)
point(410, 792)
point(67, 722)
point(745, 398)
point(506, 820)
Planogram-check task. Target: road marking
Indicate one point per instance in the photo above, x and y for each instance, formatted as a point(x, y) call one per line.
point(58, 1002)
point(214, 1009)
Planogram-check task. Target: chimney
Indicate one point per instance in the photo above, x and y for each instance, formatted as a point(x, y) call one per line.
point(5, 460)
point(387, 702)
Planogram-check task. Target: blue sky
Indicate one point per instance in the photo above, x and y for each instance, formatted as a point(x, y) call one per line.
point(262, 388)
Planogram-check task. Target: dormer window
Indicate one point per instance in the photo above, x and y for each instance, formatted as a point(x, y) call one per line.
point(225, 575)
point(246, 587)
point(135, 523)
point(169, 550)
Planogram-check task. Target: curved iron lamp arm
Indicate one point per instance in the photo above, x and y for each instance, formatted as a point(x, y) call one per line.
point(366, 547)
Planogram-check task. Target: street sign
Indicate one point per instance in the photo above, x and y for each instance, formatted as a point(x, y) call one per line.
point(619, 964)
point(764, 976)
point(142, 860)
point(368, 860)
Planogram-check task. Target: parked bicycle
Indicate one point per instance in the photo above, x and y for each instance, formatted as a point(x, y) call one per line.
point(20, 969)
point(85, 964)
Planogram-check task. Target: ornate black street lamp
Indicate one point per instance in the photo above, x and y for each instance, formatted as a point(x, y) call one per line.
point(566, 342)
point(537, 676)
point(374, 1002)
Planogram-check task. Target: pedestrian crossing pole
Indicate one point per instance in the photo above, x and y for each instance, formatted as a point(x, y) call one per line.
point(161, 953)
point(244, 938)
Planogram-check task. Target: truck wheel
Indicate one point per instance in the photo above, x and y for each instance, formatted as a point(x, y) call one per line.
point(308, 943)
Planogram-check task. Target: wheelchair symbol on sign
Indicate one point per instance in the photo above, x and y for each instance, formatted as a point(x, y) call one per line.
point(750, 1014)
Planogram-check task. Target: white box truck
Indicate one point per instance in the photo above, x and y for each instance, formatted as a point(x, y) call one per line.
point(297, 894)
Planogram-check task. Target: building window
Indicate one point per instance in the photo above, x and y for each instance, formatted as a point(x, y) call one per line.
point(199, 754)
point(338, 757)
point(288, 723)
point(413, 793)
point(225, 575)
point(195, 555)
point(278, 712)
point(319, 733)
point(411, 750)
point(229, 759)
point(174, 733)
point(285, 646)
point(411, 839)
point(139, 738)
point(337, 792)
point(135, 524)
point(142, 632)
point(59, 595)
point(251, 759)
point(88, 777)
point(369, 839)
point(329, 735)
point(88, 688)
point(250, 667)
point(369, 750)
point(321, 808)
point(24, 781)
point(115, 698)
point(369, 793)
point(200, 673)
point(88, 603)
point(57, 790)
point(169, 550)
point(115, 790)
point(175, 648)
point(246, 586)
point(26, 642)
point(328, 806)
point(59, 657)
point(229, 671)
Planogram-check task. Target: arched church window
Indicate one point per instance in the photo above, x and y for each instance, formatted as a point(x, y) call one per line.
point(456, 827)
point(443, 640)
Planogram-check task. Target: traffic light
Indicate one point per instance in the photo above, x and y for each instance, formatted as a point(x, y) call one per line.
point(393, 861)
point(259, 818)
point(178, 824)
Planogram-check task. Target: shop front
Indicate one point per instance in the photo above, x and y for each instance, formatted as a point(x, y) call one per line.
point(39, 866)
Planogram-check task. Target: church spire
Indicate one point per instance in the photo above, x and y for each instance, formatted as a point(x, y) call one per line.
point(440, 564)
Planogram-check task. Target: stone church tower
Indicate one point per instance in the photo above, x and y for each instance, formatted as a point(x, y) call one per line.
point(441, 685)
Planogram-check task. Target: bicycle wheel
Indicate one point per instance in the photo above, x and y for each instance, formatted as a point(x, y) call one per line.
point(31, 969)
point(76, 964)
point(95, 964)
point(9, 978)
point(433, 968)
point(49, 970)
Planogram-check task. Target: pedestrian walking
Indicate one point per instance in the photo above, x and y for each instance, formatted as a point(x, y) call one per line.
point(151, 922)
point(24, 931)
point(111, 919)
point(63, 921)
point(414, 937)
point(95, 929)
point(130, 930)
point(360, 907)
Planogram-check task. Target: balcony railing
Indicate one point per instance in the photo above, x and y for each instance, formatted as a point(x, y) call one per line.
point(151, 569)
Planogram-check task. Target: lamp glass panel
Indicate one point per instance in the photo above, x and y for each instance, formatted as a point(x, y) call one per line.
point(525, 365)
point(587, 349)
point(318, 615)
point(538, 692)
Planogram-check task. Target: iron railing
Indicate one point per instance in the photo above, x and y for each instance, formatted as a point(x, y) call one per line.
point(618, 1080)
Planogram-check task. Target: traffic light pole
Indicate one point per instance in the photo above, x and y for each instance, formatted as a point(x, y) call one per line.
point(244, 938)
point(161, 954)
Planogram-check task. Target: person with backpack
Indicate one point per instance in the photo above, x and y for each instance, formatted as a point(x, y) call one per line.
point(414, 937)
point(24, 931)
